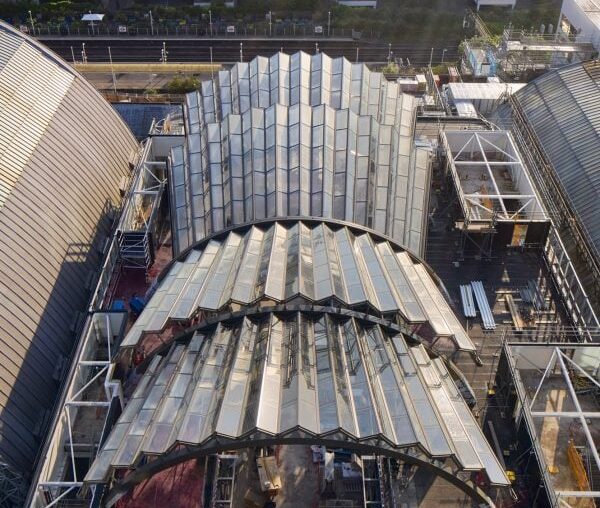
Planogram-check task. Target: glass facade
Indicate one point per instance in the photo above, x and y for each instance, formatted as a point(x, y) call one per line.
point(300, 135)
point(297, 375)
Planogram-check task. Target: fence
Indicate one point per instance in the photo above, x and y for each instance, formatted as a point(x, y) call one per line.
point(174, 29)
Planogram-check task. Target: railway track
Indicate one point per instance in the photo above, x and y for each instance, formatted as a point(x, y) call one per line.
point(186, 49)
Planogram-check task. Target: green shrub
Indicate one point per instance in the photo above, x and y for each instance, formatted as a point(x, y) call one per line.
point(182, 84)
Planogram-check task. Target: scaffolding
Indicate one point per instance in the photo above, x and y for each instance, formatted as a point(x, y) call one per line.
point(224, 481)
point(372, 481)
point(13, 487)
point(493, 189)
point(521, 52)
point(563, 375)
point(81, 421)
point(137, 227)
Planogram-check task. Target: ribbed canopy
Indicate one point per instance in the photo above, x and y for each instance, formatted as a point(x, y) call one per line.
point(277, 262)
point(300, 135)
point(297, 375)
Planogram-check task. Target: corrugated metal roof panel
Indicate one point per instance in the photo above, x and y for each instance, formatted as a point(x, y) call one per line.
point(63, 151)
point(563, 109)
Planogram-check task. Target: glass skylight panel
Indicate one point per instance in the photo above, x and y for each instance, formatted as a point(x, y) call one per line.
point(368, 424)
point(328, 413)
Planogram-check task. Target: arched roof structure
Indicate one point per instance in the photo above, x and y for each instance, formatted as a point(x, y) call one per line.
point(63, 151)
point(303, 346)
point(296, 377)
point(563, 110)
point(298, 208)
point(319, 262)
point(300, 135)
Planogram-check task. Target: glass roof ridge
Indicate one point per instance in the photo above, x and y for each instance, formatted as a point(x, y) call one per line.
point(192, 395)
point(260, 264)
point(319, 150)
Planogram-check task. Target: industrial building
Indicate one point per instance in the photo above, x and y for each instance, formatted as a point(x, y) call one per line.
point(318, 292)
point(59, 190)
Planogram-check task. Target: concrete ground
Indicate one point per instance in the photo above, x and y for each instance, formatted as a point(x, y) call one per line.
point(300, 479)
point(134, 81)
point(504, 274)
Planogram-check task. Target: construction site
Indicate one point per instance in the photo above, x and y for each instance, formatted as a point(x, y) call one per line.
point(323, 290)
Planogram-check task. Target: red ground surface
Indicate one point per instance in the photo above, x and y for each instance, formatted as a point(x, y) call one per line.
point(180, 486)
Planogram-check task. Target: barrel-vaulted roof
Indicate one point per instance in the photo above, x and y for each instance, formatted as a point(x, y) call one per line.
point(63, 151)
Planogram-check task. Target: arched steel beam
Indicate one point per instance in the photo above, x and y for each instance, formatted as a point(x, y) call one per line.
point(307, 220)
point(307, 308)
point(179, 455)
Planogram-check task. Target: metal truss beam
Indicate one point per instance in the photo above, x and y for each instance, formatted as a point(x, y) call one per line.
point(445, 469)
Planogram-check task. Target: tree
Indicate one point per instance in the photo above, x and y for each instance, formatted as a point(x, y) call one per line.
point(183, 84)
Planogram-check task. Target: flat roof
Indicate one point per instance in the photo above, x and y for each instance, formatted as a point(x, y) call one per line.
point(492, 91)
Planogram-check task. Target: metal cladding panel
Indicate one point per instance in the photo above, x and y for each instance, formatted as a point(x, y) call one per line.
point(277, 262)
point(312, 374)
point(300, 135)
point(63, 151)
point(563, 109)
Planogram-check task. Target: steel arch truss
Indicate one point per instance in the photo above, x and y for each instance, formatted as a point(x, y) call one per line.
point(296, 377)
point(445, 468)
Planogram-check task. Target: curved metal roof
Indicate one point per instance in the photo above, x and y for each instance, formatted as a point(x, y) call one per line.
point(300, 135)
point(63, 151)
point(322, 263)
point(290, 377)
point(563, 109)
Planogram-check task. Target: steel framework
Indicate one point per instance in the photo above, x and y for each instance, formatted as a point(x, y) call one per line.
point(522, 51)
point(558, 362)
point(136, 230)
point(13, 487)
point(444, 469)
point(470, 152)
point(93, 389)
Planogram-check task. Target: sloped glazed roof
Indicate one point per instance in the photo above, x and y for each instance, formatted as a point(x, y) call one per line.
point(297, 375)
point(278, 261)
point(300, 135)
